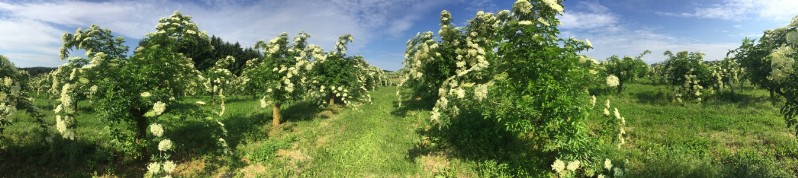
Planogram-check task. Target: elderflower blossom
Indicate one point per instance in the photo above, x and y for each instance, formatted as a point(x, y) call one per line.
point(606, 112)
point(588, 43)
point(8, 81)
point(593, 100)
point(481, 92)
point(525, 23)
point(146, 94)
point(600, 176)
point(573, 165)
point(165, 145)
point(612, 81)
point(523, 6)
point(459, 92)
point(66, 99)
point(169, 166)
point(154, 168)
point(617, 114)
point(263, 103)
point(558, 166)
point(201, 103)
point(156, 129)
point(554, 5)
point(607, 164)
point(159, 107)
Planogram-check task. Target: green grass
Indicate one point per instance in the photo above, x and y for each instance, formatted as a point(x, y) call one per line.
point(731, 136)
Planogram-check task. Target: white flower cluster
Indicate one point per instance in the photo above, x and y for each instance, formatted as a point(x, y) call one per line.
point(554, 5)
point(165, 145)
point(612, 81)
point(7, 81)
point(559, 167)
point(6, 110)
point(522, 7)
point(618, 121)
point(781, 64)
point(340, 45)
point(64, 126)
point(690, 87)
point(156, 129)
point(157, 109)
point(162, 165)
point(481, 92)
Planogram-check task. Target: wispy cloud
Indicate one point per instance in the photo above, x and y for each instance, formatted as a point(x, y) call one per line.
point(739, 10)
point(593, 16)
point(610, 37)
point(40, 24)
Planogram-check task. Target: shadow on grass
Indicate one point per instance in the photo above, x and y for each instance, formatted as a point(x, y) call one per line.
point(497, 152)
point(64, 158)
point(416, 104)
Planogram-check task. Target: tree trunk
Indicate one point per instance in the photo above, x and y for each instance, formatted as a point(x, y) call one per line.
point(332, 100)
point(276, 115)
point(141, 133)
point(771, 92)
point(620, 87)
point(76, 105)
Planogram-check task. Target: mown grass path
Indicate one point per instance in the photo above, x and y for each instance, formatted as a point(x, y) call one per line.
point(366, 141)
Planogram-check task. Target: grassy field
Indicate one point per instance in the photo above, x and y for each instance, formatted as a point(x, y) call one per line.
point(740, 136)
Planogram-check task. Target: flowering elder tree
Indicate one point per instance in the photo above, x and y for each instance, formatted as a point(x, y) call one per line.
point(525, 77)
point(281, 74)
point(338, 78)
point(94, 40)
point(160, 165)
point(627, 69)
point(14, 94)
point(428, 63)
point(219, 76)
point(127, 87)
point(687, 74)
point(374, 76)
point(729, 73)
point(753, 56)
point(782, 46)
point(185, 36)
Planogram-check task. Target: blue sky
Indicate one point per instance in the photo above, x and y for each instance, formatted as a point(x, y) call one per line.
point(30, 31)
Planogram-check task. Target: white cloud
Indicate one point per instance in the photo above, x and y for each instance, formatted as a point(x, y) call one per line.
point(633, 42)
point(609, 37)
point(43, 23)
point(739, 10)
point(596, 16)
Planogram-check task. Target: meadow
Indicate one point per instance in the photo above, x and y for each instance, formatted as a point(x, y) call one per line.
point(731, 136)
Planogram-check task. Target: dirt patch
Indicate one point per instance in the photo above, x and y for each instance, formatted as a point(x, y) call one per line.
point(433, 163)
point(190, 169)
point(253, 170)
point(294, 159)
point(321, 141)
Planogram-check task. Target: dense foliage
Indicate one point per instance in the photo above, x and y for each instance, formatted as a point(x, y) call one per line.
point(512, 68)
point(14, 94)
point(779, 47)
point(125, 90)
point(627, 69)
point(280, 76)
point(687, 74)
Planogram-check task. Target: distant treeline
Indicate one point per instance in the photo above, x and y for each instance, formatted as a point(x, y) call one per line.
point(34, 71)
